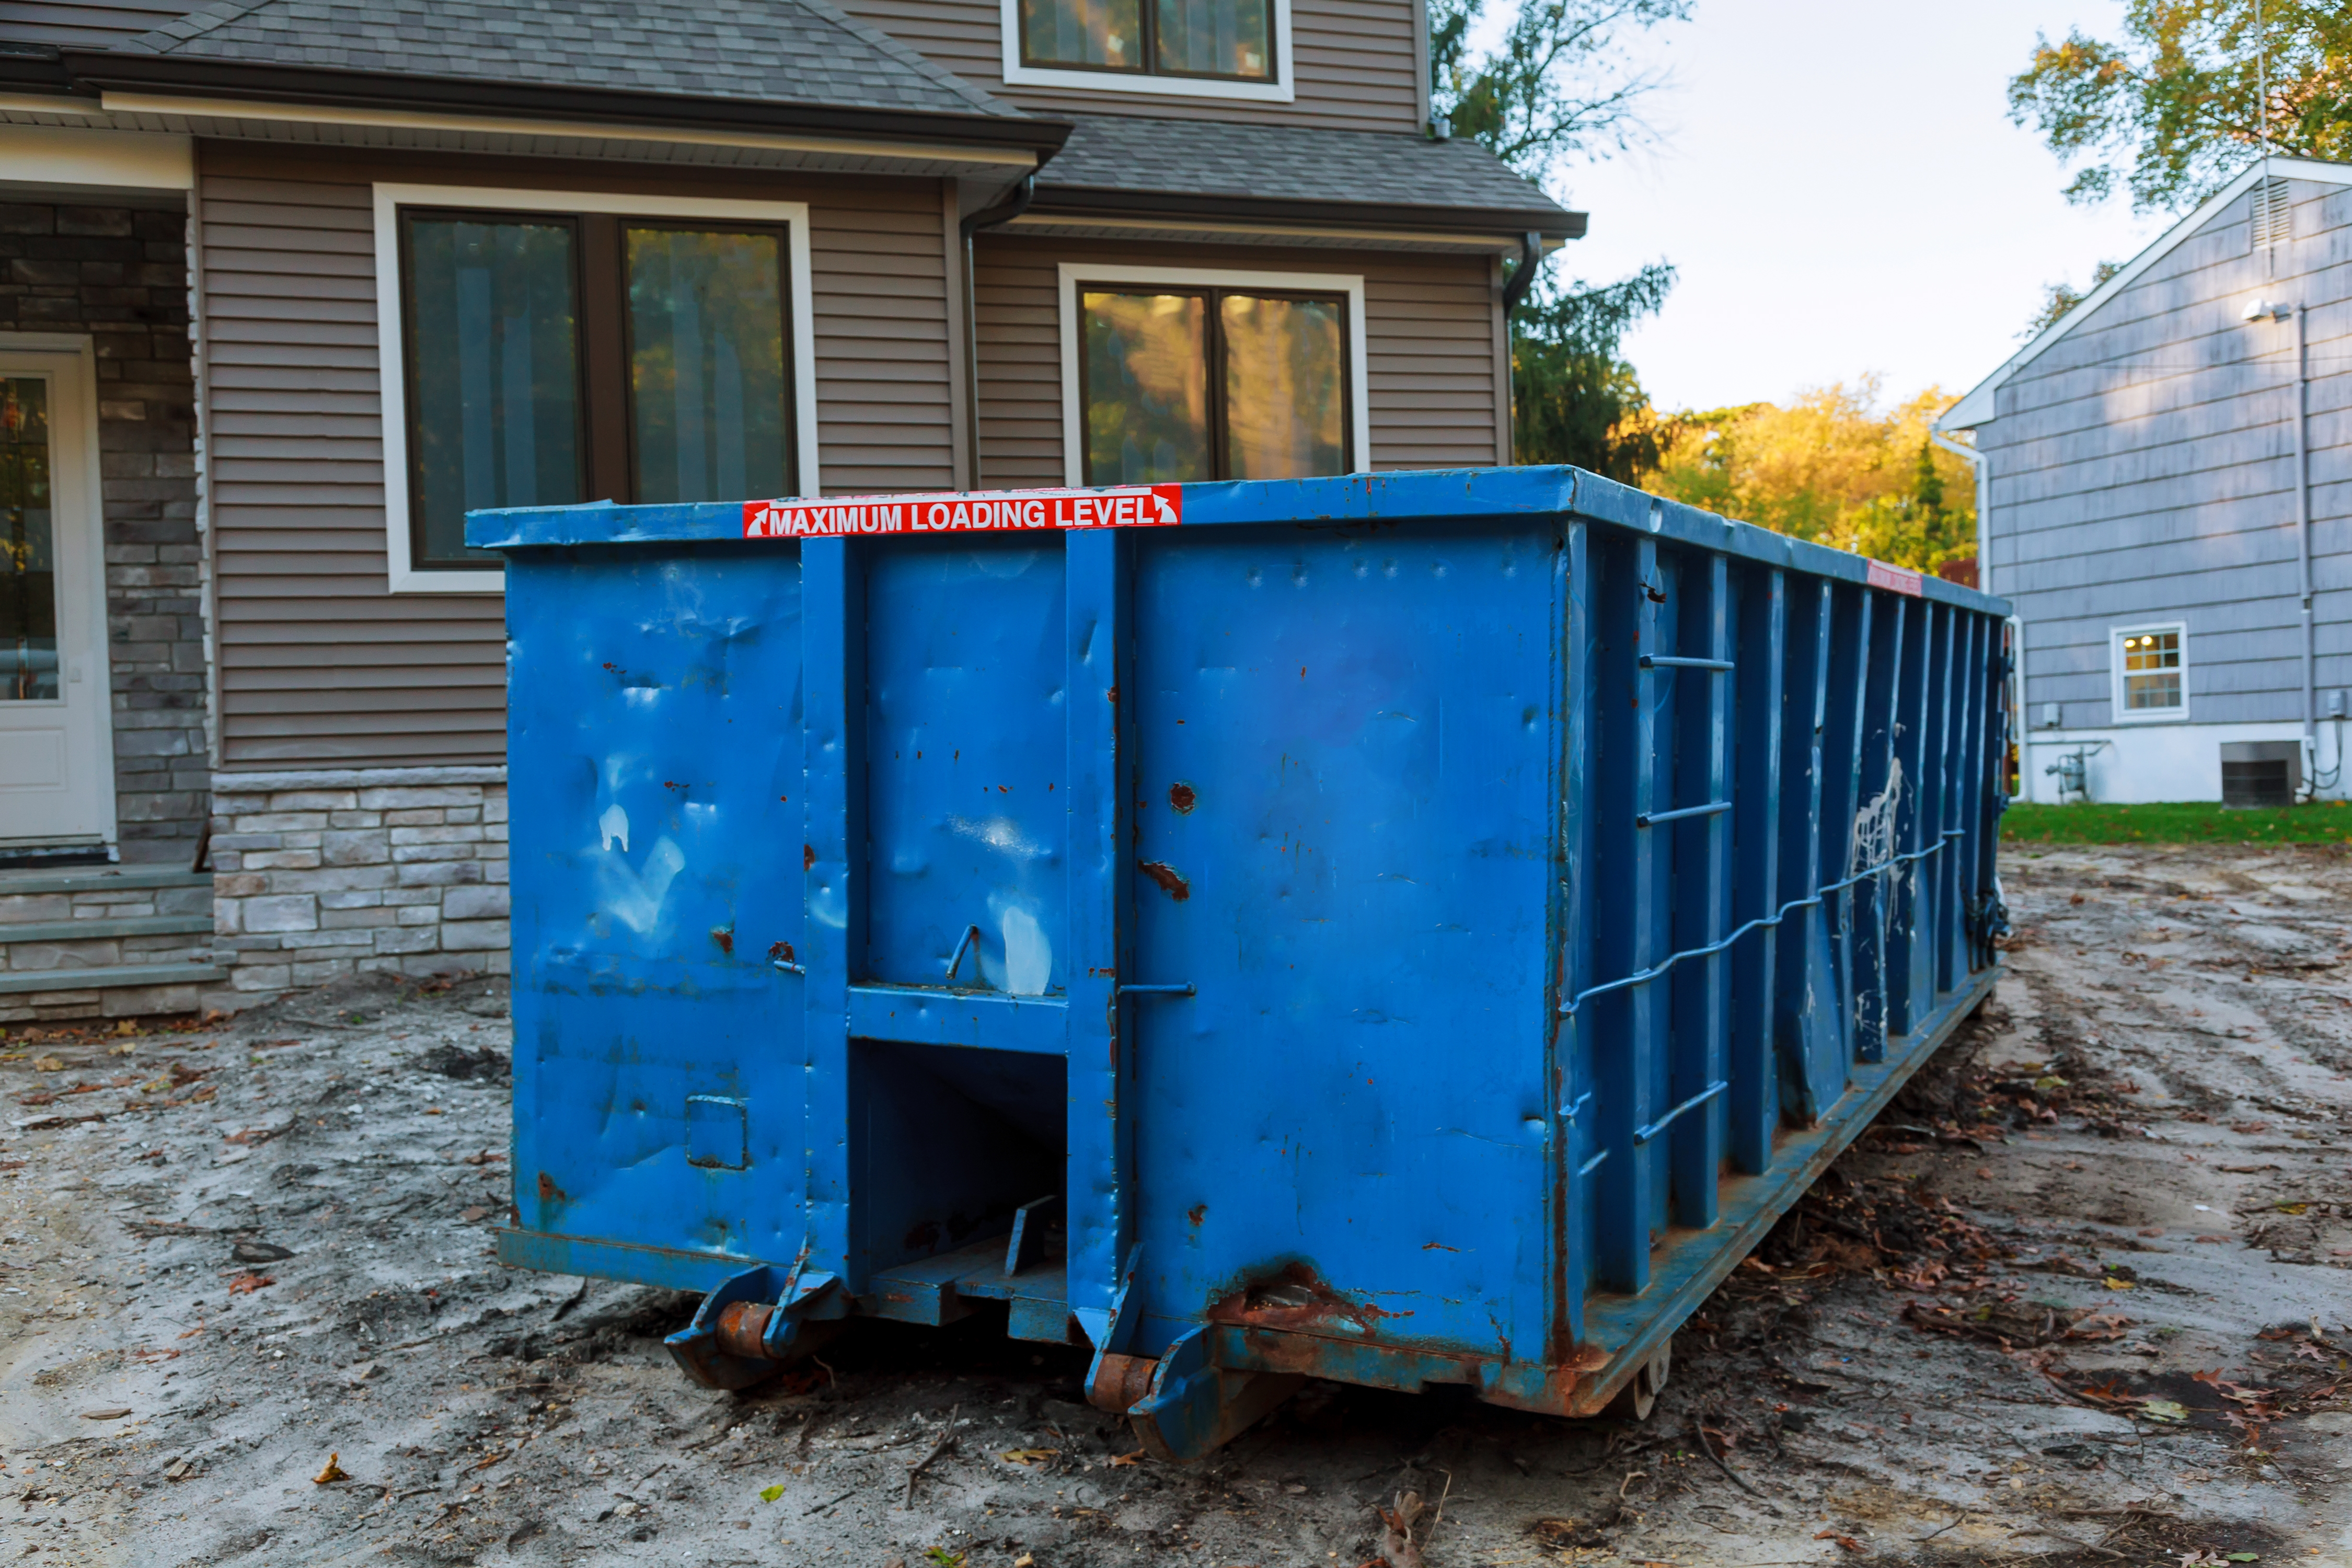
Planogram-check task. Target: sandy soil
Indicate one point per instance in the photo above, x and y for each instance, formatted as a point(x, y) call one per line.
point(2084, 1295)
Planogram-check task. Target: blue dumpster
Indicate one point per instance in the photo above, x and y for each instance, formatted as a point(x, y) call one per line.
point(1407, 928)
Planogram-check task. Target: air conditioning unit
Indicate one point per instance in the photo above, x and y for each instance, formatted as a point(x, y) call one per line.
point(2260, 773)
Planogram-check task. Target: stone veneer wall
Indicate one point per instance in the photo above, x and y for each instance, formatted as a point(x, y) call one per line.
point(120, 274)
point(327, 872)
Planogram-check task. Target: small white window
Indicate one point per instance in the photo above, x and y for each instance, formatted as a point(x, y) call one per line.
point(2151, 672)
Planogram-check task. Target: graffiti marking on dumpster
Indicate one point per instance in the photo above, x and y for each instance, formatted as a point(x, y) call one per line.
point(1127, 506)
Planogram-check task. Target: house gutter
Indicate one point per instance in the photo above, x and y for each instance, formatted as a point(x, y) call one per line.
point(1098, 201)
point(2303, 553)
point(1003, 212)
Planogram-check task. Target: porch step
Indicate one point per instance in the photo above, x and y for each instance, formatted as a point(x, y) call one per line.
point(85, 930)
point(142, 943)
point(102, 880)
point(114, 977)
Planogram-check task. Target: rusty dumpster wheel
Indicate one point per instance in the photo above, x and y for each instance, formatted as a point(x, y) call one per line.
point(1640, 1395)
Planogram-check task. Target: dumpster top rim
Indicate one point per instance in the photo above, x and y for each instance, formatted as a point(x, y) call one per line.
point(1350, 499)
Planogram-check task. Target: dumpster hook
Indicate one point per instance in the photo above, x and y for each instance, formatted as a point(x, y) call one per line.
point(971, 939)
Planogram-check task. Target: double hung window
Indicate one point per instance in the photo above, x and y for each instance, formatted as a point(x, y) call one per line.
point(2151, 672)
point(1232, 40)
point(550, 357)
point(1185, 384)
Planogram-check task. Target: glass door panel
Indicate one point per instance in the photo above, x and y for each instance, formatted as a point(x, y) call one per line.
point(28, 545)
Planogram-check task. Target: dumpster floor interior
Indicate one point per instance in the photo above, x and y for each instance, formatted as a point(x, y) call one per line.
point(2083, 1296)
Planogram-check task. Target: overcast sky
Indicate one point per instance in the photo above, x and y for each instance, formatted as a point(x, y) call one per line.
point(1842, 191)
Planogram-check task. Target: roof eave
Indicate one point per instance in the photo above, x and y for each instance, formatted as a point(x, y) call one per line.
point(1977, 408)
point(102, 71)
point(1091, 201)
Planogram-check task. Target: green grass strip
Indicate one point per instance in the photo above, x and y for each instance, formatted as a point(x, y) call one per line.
point(2176, 822)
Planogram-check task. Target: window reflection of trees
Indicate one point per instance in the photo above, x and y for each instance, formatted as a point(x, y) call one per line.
point(1147, 388)
point(1283, 388)
point(706, 364)
point(1183, 387)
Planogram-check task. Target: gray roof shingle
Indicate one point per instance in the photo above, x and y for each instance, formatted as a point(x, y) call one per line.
point(1201, 161)
point(795, 51)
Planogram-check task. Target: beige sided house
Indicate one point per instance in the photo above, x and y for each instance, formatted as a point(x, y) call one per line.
point(285, 286)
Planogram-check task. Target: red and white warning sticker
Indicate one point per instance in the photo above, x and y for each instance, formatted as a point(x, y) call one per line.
point(1901, 580)
point(983, 512)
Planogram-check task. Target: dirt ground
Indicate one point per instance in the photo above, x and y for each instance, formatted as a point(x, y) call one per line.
point(2084, 1296)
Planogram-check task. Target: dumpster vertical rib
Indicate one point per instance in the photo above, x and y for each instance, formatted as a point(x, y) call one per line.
point(1702, 875)
point(1754, 689)
point(1577, 1141)
point(1905, 1005)
point(1100, 1218)
point(1669, 801)
point(1959, 687)
point(833, 623)
point(1841, 799)
point(1930, 873)
point(1870, 898)
point(1978, 785)
point(1624, 933)
point(1960, 885)
point(1988, 779)
point(1801, 1005)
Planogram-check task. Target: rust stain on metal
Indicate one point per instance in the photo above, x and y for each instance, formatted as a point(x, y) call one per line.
point(808, 856)
point(549, 1193)
point(780, 952)
point(743, 1329)
point(1171, 880)
point(1182, 797)
point(1296, 1298)
point(725, 937)
point(1197, 1213)
point(1119, 1381)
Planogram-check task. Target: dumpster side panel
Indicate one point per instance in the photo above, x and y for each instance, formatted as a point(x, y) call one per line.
point(1342, 828)
point(655, 761)
point(966, 808)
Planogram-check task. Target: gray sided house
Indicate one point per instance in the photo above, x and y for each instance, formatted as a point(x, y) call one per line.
point(2165, 476)
point(287, 285)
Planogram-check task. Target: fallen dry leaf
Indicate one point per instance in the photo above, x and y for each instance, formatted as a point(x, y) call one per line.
point(1028, 1455)
point(1848, 1541)
point(1120, 1460)
point(245, 1284)
point(333, 1472)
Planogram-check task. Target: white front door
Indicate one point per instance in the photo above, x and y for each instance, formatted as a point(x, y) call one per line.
point(56, 773)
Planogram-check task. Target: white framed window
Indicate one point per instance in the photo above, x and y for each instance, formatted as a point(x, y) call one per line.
point(2151, 671)
point(544, 347)
point(1177, 373)
point(1235, 49)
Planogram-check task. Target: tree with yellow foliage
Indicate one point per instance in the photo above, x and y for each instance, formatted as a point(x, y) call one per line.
point(1829, 467)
